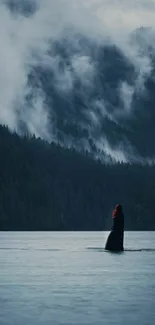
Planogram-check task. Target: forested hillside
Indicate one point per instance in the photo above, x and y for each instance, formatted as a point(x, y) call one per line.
point(46, 187)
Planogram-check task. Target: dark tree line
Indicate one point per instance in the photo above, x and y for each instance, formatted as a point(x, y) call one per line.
point(46, 187)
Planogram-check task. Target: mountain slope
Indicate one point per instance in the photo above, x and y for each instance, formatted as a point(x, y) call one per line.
point(70, 78)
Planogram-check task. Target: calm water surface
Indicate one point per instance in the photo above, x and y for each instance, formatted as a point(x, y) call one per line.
point(54, 278)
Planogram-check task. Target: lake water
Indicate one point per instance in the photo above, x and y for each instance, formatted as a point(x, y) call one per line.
point(54, 278)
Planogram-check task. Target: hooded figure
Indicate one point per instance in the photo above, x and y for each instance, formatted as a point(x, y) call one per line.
point(116, 236)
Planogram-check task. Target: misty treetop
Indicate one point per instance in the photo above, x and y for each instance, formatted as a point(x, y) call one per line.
point(46, 187)
point(84, 80)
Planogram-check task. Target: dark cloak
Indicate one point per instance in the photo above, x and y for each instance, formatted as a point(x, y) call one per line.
point(116, 237)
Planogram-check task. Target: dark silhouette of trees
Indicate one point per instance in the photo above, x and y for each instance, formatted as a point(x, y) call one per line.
point(46, 187)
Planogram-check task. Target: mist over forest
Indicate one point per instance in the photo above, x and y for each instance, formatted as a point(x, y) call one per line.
point(77, 83)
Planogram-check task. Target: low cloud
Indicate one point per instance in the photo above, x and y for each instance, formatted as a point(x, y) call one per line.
point(64, 38)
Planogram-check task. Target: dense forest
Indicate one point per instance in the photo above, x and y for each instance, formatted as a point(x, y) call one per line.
point(46, 187)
